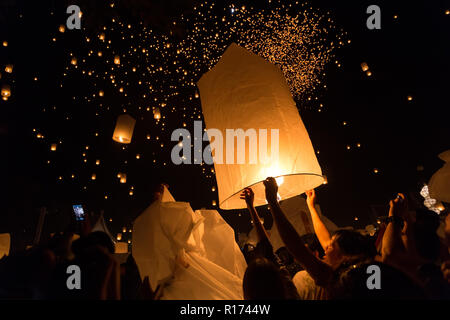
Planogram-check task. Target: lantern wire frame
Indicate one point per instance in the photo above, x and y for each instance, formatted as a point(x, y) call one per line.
point(285, 191)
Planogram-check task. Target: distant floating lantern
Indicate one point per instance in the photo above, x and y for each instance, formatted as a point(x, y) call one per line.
point(124, 128)
point(62, 28)
point(325, 180)
point(410, 98)
point(53, 147)
point(124, 230)
point(116, 60)
point(368, 73)
point(119, 237)
point(119, 175)
point(138, 156)
point(148, 137)
point(100, 53)
point(9, 68)
point(375, 170)
point(97, 162)
point(5, 43)
point(364, 67)
point(6, 92)
point(213, 189)
point(102, 36)
point(123, 178)
point(73, 61)
point(214, 203)
point(101, 93)
point(94, 176)
point(157, 114)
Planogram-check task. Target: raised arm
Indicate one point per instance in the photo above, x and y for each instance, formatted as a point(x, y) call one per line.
point(320, 229)
point(320, 271)
point(392, 245)
point(249, 197)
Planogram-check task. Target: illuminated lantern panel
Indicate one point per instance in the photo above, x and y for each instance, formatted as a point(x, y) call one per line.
point(121, 247)
point(5, 244)
point(240, 81)
point(124, 128)
point(439, 184)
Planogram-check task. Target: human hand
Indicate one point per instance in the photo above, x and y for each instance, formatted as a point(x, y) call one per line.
point(248, 196)
point(271, 189)
point(398, 206)
point(311, 198)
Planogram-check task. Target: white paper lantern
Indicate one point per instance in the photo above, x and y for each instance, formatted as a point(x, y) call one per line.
point(245, 91)
point(121, 247)
point(124, 128)
point(439, 185)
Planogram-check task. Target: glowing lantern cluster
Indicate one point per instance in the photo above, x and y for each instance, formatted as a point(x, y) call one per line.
point(6, 92)
point(122, 177)
point(124, 128)
point(365, 68)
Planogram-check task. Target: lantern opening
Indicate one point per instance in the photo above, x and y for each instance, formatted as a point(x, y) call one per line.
point(288, 187)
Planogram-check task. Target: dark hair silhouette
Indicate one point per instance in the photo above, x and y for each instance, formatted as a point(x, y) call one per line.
point(353, 243)
point(263, 281)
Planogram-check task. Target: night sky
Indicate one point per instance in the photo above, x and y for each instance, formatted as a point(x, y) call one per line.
point(398, 138)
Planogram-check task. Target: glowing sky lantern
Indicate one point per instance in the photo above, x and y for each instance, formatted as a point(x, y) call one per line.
point(243, 91)
point(124, 128)
point(6, 92)
point(9, 68)
point(53, 147)
point(73, 61)
point(116, 60)
point(364, 66)
point(157, 114)
point(439, 184)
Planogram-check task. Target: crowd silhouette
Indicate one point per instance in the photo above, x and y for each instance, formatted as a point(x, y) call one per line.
point(412, 260)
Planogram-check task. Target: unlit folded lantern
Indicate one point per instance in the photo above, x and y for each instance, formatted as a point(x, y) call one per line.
point(124, 128)
point(439, 184)
point(245, 91)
